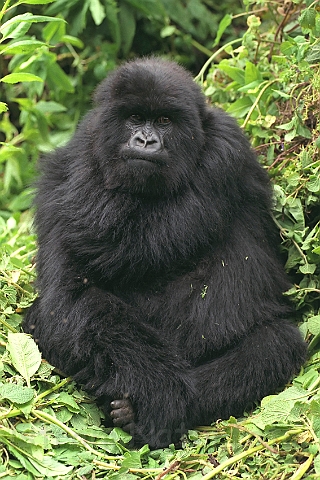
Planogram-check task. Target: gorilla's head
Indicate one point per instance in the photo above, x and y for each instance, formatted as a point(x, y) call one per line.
point(148, 127)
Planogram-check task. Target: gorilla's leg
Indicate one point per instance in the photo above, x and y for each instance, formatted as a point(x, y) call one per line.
point(260, 364)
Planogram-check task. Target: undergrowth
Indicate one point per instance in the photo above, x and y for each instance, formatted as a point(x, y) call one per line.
point(269, 79)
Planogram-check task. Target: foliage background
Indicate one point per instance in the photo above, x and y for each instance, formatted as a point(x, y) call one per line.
point(257, 59)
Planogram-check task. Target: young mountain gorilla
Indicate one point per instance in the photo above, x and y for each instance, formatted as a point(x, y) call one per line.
point(159, 285)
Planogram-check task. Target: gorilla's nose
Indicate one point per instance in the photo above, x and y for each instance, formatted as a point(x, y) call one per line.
point(149, 142)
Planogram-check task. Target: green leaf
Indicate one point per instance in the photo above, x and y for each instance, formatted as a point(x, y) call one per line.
point(12, 173)
point(20, 452)
point(20, 24)
point(314, 54)
point(131, 460)
point(49, 467)
point(251, 73)
point(288, 48)
point(20, 77)
point(97, 11)
point(52, 32)
point(282, 94)
point(167, 31)
point(113, 22)
point(76, 42)
point(289, 125)
point(15, 28)
point(153, 8)
point(307, 379)
point(310, 238)
point(3, 107)
point(80, 18)
point(314, 325)
point(25, 354)
point(21, 202)
point(24, 46)
point(57, 77)
point(293, 179)
point(16, 393)
point(9, 293)
point(128, 27)
point(233, 72)
point(313, 184)
point(36, 2)
point(252, 87)
point(225, 22)
point(316, 464)
point(240, 107)
point(67, 400)
point(303, 131)
point(50, 107)
point(307, 18)
point(308, 268)
point(295, 208)
point(280, 408)
point(306, 158)
point(297, 128)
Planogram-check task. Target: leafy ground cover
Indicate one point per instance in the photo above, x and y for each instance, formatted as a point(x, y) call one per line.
point(269, 79)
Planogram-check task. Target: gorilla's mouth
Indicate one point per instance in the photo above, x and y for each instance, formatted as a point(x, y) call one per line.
point(139, 161)
point(144, 161)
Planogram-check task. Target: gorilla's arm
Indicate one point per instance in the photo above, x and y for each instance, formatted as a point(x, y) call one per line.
point(109, 348)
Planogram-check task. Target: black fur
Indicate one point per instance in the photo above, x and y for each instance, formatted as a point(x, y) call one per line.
point(158, 280)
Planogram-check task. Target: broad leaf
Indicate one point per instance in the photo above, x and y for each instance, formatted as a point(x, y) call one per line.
point(20, 77)
point(25, 354)
point(16, 393)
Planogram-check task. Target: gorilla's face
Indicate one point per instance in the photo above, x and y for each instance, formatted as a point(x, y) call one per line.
point(145, 146)
point(149, 128)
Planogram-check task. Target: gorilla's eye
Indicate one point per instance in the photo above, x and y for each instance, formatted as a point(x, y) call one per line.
point(135, 118)
point(163, 120)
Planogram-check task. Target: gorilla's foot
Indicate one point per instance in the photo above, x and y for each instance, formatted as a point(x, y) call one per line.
point(122, 414)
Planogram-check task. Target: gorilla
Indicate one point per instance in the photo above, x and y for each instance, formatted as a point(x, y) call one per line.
point(160, 287)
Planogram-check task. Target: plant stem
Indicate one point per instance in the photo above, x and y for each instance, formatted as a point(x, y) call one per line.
point(255, 103)
point(201, 48)
point(302, 469)
point(9, 327)
point(248, 453)
point(4, 8)
point(214, 55)
point(52, 420)
point(107, 466)
point(11, 413)
point(53, 389)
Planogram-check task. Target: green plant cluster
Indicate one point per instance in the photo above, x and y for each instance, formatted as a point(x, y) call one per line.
point(269, 79)
point(52, 53)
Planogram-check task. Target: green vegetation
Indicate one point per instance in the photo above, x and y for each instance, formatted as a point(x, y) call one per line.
point(264, 70)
